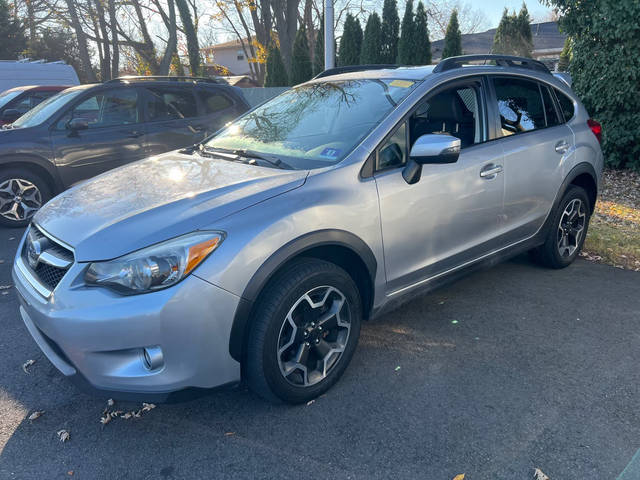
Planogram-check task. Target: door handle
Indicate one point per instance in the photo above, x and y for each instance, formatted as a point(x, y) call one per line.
point(134, 134)
point(561, 147)
point(490, 171)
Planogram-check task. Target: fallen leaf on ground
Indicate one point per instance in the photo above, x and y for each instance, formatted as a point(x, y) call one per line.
point(539, 475)
point(459, 477)
point(63, 435)
point(147, 406)
point(228, 434)
point(36, 414)
point(397, 368)
point(310, 402)
point(110, 402)
point(70, 473)
point(27, 364)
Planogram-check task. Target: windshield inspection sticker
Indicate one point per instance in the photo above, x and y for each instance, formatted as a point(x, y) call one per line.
point(401, 83)
point(330, 152)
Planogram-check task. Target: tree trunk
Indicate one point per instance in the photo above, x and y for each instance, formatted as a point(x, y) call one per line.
point(192, 37)
point(83, 48)
point(286, 17)
point(105, 59)
point(115, 47)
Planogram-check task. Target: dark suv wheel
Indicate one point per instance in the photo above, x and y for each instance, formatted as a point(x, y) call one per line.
point(22, 193)
point(304, 332)
point(568, 230)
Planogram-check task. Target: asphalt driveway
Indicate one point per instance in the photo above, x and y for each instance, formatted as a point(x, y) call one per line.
point(510, 369)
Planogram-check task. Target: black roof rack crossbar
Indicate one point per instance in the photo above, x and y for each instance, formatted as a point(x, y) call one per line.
point(166, 78)
point(353, 68)
point(500, 60)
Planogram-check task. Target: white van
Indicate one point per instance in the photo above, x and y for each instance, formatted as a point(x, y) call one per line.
point(24, 72)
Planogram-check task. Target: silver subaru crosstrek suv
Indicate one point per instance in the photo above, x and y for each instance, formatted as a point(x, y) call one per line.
point(257, 254)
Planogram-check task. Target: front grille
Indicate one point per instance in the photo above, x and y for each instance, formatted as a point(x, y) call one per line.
point(45, 251)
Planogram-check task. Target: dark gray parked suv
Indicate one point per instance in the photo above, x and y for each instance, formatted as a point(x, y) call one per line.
point(89, 129)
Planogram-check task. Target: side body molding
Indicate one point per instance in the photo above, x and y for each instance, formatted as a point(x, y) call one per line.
point(329, 237)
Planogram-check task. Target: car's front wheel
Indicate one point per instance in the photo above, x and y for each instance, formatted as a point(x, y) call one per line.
point(304, 331)
point(22, 193)
point(568, 230)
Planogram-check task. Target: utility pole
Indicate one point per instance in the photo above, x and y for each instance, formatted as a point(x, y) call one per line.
point(329, 54)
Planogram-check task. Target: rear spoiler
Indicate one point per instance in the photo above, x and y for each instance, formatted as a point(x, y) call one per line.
point(564, 76)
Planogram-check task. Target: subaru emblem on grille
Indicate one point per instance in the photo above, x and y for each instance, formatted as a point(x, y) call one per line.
point(34, 250)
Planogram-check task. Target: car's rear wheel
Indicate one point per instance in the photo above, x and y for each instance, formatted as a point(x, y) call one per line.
point(22, 193)
point(304, 332)
point(568, 230)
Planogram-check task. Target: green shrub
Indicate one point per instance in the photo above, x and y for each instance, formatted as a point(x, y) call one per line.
point(351, 42)
point(605, 67)
point(372, 41)
point(301, 60)
point(452, 38)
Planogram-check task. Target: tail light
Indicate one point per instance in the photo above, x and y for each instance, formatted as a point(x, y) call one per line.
point(596, 128)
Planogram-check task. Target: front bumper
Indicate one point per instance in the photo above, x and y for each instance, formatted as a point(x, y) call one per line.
point(97, 337)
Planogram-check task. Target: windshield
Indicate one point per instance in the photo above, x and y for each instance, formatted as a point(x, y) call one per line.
point(6, 97)
point(44, 110)
point(314, 125)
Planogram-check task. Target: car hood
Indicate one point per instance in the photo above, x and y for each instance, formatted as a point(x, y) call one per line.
point(156, 199)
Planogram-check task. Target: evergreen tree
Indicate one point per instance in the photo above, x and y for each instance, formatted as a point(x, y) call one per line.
point(513, 35)
point(372, 41)
point(276, 74)
point(422, 42)
point(351, 42)
point(390, 31)
point(300, 60)
point(565, 56)
point(12, 38)
point(318, 51)
point(525, 36)
point(452, 37)
point(406, 46)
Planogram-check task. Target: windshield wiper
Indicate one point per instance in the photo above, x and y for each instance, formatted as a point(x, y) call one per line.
point(250, 154)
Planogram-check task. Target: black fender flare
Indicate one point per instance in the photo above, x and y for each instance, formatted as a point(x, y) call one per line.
point(40, 163)
point(576, 171)
point(329, 237)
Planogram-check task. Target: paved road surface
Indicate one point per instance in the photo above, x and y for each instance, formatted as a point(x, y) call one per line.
point(509, 369)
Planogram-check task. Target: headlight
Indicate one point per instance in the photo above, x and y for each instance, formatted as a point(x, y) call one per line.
point(156, 267)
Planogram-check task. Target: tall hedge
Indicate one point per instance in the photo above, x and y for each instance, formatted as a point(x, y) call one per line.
point(452, 38)
point(422, 42)
point(605, 67)
point(300, 59)
point(372, 41)
point(406, 45)
point(351, 42)
point(276, 74)
point(390, 31)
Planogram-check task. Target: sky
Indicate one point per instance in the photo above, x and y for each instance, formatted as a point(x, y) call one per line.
point(493, 8)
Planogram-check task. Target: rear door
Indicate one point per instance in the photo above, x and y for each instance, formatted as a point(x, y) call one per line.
point(113, 137)
point(217, 108)
point(535, 144)
point(172, 118)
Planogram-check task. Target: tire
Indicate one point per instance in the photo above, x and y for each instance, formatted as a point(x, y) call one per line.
point(553, 253)
point(274, 375)
point(22, 193)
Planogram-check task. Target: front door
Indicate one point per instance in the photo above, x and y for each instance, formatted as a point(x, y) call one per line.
point(450, 216)
point(114, 135)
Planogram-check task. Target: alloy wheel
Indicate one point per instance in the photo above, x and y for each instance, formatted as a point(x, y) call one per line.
point(313, 336)
point(571, 227)
point(20, 199)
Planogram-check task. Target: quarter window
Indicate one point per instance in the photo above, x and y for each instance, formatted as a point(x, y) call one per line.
point(170, 104)
point(551, 114)
point(566, 105)
point(519, 104)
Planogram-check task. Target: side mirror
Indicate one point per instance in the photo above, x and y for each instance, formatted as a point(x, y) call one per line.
point(10, 115)
point(76, 124)
point(430, 149)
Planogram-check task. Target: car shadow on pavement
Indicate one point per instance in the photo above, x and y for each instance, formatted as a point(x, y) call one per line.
point(509, 369)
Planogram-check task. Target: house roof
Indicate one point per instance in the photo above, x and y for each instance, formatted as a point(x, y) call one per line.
point(231, 44)
point(546, 36)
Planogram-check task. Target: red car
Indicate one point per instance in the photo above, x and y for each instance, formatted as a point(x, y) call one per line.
point(17, 101)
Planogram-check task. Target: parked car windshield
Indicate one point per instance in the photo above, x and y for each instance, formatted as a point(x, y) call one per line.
point(44, 110)
point(6, 97)
point(314, 125)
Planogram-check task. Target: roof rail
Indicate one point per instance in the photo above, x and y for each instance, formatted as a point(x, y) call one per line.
point(500, 60)
point(353, 68)
point(166, 78)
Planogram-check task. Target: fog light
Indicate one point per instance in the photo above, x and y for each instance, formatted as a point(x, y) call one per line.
point(153, 358)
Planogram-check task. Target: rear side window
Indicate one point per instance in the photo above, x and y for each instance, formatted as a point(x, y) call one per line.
point(170, 104)
point(520, 105)
point(214, 101)
point(566, 105)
